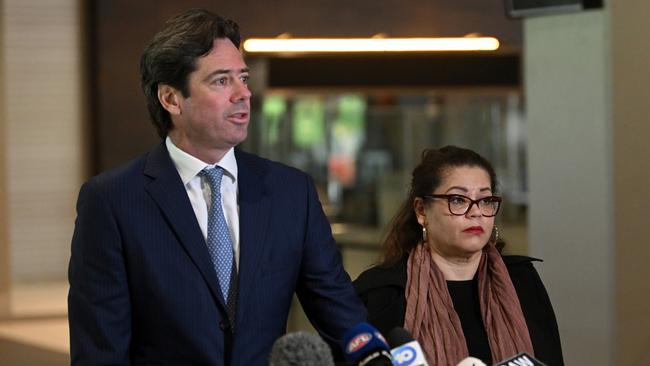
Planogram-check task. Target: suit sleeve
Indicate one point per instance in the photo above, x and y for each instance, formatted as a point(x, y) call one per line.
point(324, 288)
point(98, 301)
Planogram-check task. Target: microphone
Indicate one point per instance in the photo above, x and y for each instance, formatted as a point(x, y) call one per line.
point(471, 361)
point(300, 348)
point(406, 350)
point(363, 345)
point(522, 359)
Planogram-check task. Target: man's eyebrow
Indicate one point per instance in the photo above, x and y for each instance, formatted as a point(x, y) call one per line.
point(227, 71)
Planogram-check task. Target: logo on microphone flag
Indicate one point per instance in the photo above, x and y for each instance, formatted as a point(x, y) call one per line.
point(522, 359)
point(404, 355)
point(358, 342)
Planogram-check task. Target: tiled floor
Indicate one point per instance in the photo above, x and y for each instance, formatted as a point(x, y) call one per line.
point(36, 333)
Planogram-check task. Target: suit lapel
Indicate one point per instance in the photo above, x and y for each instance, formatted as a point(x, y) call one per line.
point(166, 189)
point(254, 211)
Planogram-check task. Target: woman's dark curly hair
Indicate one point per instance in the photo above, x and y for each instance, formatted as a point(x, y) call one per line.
point(404, 231)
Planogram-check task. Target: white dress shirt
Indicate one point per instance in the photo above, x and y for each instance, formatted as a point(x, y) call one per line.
point(198, 189)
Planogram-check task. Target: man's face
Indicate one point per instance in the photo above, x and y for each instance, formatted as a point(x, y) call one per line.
point(214, 117)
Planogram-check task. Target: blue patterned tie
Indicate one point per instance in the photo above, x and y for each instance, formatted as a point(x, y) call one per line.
point(219, 243)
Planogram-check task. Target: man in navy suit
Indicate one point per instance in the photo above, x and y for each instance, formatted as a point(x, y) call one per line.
point(172, 267)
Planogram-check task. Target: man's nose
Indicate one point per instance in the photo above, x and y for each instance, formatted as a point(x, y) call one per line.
point(241, 92)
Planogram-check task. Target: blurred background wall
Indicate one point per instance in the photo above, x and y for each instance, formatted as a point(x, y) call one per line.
point(43, 68)
point(42, 163)
point(570, 144)
point(560, 109)
point(586, 84)
point(120, 29)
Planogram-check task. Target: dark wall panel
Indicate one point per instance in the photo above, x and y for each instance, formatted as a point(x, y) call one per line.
point(120, 29)
point(439, 70)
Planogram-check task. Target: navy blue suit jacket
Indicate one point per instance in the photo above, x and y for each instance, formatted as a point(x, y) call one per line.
point(143, 289)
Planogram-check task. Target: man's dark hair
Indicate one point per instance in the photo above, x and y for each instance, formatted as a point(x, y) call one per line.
point(171, 57)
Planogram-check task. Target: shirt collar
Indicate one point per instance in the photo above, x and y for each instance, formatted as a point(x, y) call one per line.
point(189, 166)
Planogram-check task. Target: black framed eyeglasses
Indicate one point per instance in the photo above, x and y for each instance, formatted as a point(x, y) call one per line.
point(460, 205)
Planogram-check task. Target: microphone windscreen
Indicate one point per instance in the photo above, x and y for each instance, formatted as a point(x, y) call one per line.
point(364, 340)
point(300, 348)
point(399, 336)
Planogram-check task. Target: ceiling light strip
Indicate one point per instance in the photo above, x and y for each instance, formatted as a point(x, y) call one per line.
point(306, 45)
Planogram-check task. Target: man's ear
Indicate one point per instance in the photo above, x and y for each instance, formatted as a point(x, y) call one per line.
point(169, 98)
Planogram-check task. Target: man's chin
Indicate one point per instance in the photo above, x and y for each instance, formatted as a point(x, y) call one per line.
point(238, 140)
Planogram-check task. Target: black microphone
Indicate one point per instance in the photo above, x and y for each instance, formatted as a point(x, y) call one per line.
point(522, 359)
point(406, 351)
point(300, 349)
point(363, 345)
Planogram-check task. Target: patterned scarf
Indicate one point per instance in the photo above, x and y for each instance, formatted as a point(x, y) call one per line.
point(432, 320)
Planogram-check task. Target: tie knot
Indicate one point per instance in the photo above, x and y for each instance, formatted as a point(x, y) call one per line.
point(213, 175)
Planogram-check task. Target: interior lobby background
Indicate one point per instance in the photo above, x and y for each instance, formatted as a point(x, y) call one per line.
point(70, 105)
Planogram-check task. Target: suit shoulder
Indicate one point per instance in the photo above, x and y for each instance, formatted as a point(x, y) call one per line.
point(266, 166)
point(120, 176)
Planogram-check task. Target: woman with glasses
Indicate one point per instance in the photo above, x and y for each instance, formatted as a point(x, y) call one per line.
point(442, 276)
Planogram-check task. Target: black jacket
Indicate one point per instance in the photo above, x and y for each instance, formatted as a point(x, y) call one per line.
point(382, 291)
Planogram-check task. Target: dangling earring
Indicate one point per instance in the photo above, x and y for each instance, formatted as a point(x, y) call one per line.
point(424, 235)
point(495, 234)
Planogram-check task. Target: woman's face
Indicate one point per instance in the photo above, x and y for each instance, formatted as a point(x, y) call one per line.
point(457, 236)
